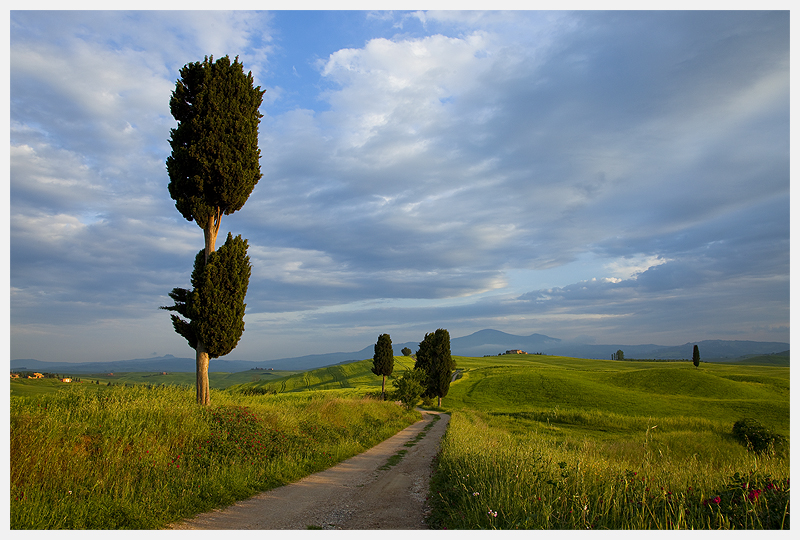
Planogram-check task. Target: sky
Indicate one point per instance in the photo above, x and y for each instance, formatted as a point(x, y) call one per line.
point(595, 176)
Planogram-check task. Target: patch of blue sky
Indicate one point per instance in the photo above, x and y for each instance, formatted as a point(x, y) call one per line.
point(303, 42)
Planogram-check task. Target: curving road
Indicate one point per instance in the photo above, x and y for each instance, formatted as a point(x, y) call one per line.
point(359, 493)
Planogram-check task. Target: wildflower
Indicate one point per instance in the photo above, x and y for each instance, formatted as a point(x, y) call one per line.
point(716, 500)
point(492, 514)
point(753, 495)
point(475, 494)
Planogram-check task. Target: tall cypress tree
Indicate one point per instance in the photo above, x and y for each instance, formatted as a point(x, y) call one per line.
point(435, 359)
point(696, 356)
point(213, 168)
point(383, 360)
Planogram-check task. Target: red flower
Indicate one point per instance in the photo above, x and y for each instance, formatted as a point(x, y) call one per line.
point(753, 495)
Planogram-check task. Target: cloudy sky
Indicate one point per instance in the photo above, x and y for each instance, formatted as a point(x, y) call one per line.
point(607, 177)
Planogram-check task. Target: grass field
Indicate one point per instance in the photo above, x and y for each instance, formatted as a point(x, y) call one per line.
point(95, 381)
point(356, 376)
point(535, 442)
point(557, 443)
point(140, 458)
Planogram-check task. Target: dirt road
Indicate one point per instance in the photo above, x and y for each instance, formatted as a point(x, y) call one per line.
point(359, 493)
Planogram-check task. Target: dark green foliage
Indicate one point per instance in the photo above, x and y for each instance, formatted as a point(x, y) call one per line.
point(215, 307)
point(214, 164)
point(406, 351)
point(696, 356)
point(213, 168)
point(409, 387)
point(756, 437)
point(383, 359)
point(434, 358)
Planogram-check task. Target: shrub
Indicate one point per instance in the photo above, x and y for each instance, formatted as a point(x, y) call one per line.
point(409, 387)
point(257, 391)
point(755, 436)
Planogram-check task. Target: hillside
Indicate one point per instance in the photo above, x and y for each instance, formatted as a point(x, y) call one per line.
point(777, 359)
point(534, 383)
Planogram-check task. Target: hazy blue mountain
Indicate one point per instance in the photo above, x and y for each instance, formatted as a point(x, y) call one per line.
point(483, 342)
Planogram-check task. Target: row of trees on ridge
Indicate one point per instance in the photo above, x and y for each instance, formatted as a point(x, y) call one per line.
point(432, 373)
point(619, 355)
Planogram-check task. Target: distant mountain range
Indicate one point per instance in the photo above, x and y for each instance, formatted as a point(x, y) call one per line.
point(481, 343)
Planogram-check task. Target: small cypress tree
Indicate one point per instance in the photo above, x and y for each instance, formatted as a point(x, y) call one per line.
point(696, 356)
point(383, 360)
point(214, 307)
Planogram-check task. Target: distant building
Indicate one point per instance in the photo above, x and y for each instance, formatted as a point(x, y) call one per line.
point(36, 376)
point(15, 375)
point(515, 351)
point(66, 379)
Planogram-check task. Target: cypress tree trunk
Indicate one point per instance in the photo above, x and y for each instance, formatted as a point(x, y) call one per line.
point(210, 231)
point(203, 394)
point(383, 389)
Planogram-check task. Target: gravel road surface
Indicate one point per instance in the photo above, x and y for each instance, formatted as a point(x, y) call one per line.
point(355, 494)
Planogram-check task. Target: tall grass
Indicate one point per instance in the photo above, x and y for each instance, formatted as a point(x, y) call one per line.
point(139, 458)
point(494, 475)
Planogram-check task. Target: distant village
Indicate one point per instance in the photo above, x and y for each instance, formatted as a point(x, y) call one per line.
point(25, 374)
point(37, 375)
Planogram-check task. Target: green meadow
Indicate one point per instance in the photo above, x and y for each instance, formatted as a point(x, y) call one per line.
point(539, 442)
point(94, 381)
point(534, 442)
point(139, 457)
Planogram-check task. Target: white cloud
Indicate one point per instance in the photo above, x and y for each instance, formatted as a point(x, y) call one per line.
point(629, 267)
